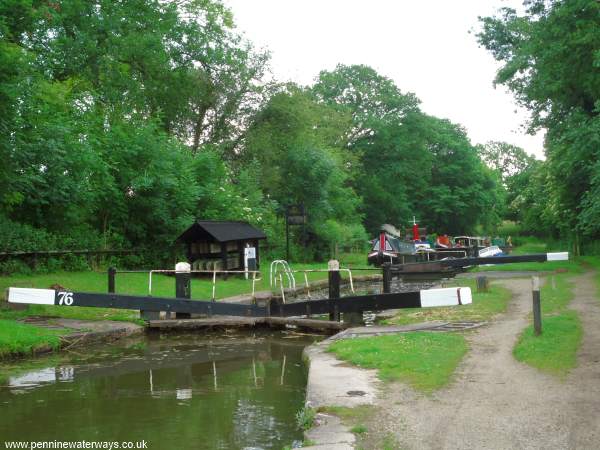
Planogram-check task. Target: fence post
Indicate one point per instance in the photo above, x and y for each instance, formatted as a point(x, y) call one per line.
point(334, 289)
point(183, 285)
point(387, 278)
point(537, 307)
point(112, 272)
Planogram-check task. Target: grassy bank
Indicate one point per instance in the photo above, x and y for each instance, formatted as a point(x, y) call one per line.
point(555, 350)
point(424, 360)
point(23, 339)
point(484, 307)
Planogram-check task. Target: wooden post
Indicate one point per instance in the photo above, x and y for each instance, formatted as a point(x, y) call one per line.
point(183, 285)
point(112, 272)
point(387, 278)
point(334, 288)
point(537, 307)
point(483, 284)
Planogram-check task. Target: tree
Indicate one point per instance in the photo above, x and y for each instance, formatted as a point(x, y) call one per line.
point(384, 139)
point(462, 192)
point(100, 102)
point(294, 146)
point(552, 65)
point(408, 163)
point(505, 158)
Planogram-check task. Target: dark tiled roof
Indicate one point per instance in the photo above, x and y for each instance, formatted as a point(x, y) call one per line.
point(221, 231)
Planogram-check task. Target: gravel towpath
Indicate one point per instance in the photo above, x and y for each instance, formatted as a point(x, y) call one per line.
point(498, 403)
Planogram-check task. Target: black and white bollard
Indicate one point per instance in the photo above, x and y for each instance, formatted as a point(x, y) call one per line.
point(334, 288)
point(183, 278)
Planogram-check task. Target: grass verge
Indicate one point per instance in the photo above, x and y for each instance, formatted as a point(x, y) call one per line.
point(424, 360)
point(556, 293)
point(485, 306)
point(555, 350)
point(22, 339)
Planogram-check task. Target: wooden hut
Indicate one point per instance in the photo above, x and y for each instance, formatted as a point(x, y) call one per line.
point(219, 245)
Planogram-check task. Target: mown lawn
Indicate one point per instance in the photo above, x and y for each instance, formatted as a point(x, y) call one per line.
point(555, 350)
point(485, 306)
point(424, 360)
point(164, 285)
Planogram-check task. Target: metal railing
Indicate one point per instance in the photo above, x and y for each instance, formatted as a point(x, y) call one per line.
point(274, 270)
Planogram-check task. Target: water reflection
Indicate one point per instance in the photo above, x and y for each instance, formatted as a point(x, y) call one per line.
point(173, 391)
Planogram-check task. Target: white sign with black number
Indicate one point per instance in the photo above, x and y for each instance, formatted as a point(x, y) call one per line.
point(249, 259)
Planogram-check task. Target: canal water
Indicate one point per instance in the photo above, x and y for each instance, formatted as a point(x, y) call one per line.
point(236, 391)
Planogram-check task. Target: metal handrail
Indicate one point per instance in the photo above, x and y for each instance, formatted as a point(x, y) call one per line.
point(274, 269)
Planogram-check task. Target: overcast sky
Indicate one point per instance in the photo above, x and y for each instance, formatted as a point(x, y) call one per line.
point(425, 47)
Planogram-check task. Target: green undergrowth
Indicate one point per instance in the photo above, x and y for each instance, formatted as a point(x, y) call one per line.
point(484, 307)
point(22, 339)
point(305, 418)
point(555, 350)
point(424, 360)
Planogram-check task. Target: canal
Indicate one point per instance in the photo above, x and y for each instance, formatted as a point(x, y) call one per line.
point(226, 391)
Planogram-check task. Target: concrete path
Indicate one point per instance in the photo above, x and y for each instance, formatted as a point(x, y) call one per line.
point(499, 403)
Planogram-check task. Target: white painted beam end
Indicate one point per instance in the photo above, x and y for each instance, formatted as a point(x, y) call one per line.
point(31, 296)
